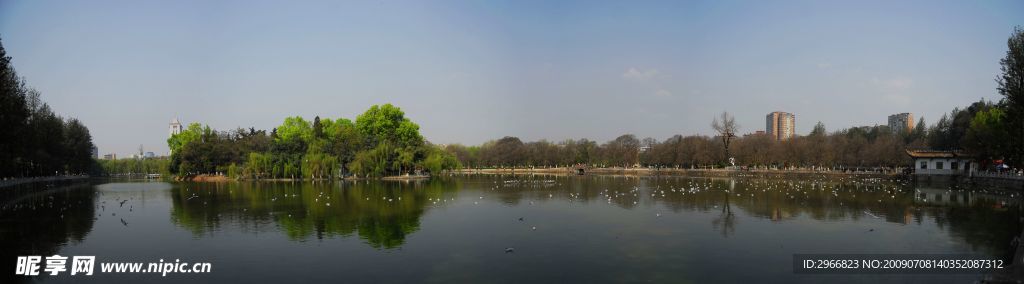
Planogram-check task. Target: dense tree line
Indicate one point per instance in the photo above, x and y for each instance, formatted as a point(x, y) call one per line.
point(978, 129)
point(989, 130)
point(855, 147)
point(33, 140)
point(381, 142)
point(144, 166)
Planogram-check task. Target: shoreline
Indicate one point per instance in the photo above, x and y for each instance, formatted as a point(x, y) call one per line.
point(571, 172)
point(675, 172)
point(51, 179)
point(223, 178)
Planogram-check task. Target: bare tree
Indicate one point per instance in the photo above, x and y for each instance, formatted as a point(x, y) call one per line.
point(726, 127)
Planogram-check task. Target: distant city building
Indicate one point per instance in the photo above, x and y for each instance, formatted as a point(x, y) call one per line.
point(175, 127)
point(780, 125)
point(756, 133)
point(901, 122)
point(149, 155)
point(95, 152)
point(110, 156)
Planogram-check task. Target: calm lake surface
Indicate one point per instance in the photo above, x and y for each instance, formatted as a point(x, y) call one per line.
point(456, 229)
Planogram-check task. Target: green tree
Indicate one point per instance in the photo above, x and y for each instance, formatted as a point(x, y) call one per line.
point(34, 141)
point(438, 160)
point(319, 165)
point(78, 141)
point(259, 165)
point(374, 162)
point(345, 140)
point(1011, 87)
point(318, 128)
point(193, 132)
point(387, 123)
point(988, 136)
point(295, 128)
point(14, 114)
point(918, 137)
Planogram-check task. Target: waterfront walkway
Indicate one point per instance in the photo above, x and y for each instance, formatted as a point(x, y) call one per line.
point(19, 181)
point(643, 171)
point(1000, 175)
point(1002, 179)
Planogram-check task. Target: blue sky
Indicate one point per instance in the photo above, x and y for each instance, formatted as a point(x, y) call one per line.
point(470, 71)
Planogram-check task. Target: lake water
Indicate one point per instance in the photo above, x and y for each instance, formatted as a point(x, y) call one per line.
point(588, 229)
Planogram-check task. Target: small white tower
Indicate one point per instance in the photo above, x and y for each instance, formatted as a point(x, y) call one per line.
point(175, 127)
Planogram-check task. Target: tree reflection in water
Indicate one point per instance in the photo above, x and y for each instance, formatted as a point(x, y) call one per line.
point(726, 221)
point(381, 213)
point(384, 213)
point(39, 220)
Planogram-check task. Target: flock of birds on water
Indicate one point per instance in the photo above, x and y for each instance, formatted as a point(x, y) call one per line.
point(703, 194)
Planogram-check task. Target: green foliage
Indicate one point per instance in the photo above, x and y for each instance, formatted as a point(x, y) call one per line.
point(192, 133)
point(344, 140)
point(295, 128)
point(988, 136)
point(33, 140)
point(387, 124)
point(919, 134)
point(374, 162)
point(234, 171)
point(286, 155)
point(319, 165)
point(950, 132)
point(387, 144)
point(438, 160)
point(1011, 87)
point(326, 213)
point(258, 166)
point(134, 166)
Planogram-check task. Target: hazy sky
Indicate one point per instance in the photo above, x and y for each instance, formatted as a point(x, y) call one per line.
point(471, 71)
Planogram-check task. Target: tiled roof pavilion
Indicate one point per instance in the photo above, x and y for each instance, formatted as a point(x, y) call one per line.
point(937, 154)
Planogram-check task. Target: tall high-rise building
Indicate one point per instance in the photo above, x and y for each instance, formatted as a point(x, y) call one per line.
point(901, 122)
point(175, 127)
point(780, 125)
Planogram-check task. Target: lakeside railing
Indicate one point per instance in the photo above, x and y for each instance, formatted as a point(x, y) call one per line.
point(1000, 175)
point(760, 169)
point(16, 181)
